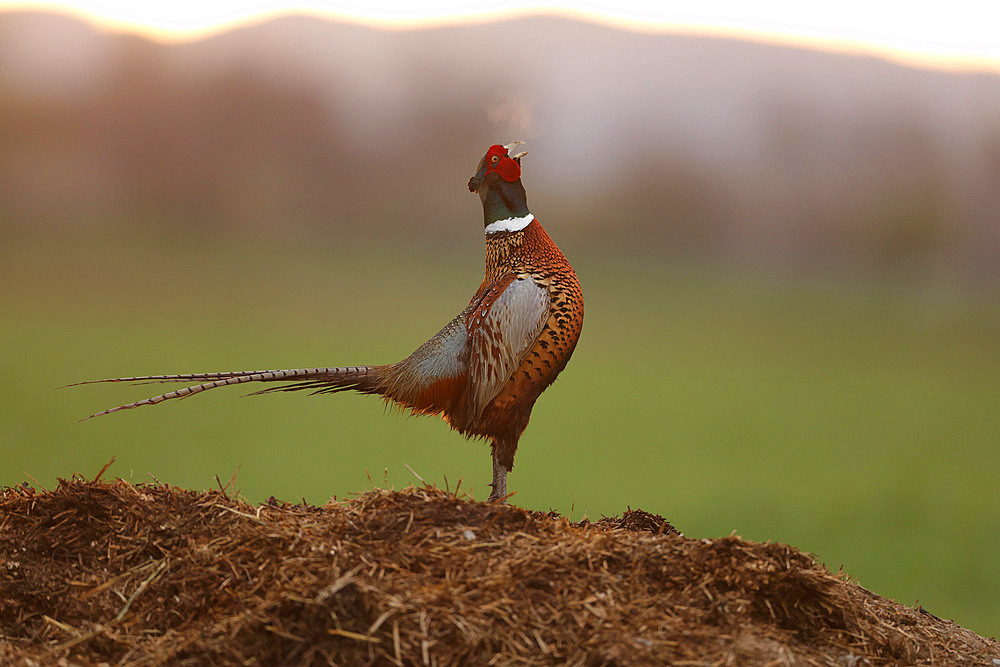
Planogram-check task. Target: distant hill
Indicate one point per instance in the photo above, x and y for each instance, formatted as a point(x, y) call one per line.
point(663, 143)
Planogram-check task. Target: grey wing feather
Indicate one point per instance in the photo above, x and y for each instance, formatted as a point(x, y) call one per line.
point(508, 331)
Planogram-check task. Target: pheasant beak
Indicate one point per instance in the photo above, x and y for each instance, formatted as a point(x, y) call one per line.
point(517, 157)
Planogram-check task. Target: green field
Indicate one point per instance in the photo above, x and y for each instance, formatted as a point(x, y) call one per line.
point(857, 421)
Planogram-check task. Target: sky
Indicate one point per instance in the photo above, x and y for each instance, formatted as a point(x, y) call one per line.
point(960, 34)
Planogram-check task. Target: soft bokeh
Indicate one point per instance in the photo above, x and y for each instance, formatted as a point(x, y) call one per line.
point(791, 261)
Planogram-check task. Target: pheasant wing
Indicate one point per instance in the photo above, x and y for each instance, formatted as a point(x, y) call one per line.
point(502, 330)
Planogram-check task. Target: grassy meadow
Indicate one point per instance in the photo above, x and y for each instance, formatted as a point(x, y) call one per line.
point(857, 421)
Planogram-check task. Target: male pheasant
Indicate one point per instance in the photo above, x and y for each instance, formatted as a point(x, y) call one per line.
point(484, 370)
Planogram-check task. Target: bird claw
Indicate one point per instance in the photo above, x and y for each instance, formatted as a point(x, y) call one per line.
point(499, 494)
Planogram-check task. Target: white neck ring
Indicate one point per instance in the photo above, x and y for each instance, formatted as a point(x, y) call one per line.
point(509, 224)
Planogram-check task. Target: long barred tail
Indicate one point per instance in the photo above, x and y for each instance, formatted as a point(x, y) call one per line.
point(320, 380)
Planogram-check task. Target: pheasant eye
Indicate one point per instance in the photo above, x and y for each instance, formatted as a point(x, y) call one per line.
point(496, 158)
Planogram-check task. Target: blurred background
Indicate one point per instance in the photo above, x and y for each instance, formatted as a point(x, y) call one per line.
point(790, 256)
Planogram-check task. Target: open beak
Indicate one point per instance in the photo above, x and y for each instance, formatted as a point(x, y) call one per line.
point(518, 156)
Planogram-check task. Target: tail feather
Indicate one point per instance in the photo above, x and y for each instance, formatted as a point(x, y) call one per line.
point(359, 378)
point(192, 377)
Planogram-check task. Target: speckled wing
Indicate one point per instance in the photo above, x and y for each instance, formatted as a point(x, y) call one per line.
point(502, 330)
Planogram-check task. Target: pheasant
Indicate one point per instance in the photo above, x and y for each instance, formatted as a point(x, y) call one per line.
point(486, 368)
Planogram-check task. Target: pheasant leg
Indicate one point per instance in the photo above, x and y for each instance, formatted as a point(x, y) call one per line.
point(499, 480)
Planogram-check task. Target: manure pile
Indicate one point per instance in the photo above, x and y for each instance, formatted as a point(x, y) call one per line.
point(120, 573)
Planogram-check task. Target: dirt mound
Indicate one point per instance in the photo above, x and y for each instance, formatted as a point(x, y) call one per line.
point(118, 573)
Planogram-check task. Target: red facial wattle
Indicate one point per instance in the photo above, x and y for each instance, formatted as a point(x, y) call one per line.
point(508, 169)
point(498, 160)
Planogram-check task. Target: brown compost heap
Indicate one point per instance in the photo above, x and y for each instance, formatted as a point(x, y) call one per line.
point(118, 573)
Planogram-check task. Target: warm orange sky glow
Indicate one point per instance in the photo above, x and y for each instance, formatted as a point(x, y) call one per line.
point(961, 35)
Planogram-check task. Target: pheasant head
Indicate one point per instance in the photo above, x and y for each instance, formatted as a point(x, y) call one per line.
point(498, 182)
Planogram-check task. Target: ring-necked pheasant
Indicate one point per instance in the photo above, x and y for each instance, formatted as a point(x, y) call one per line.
point(484, 370)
